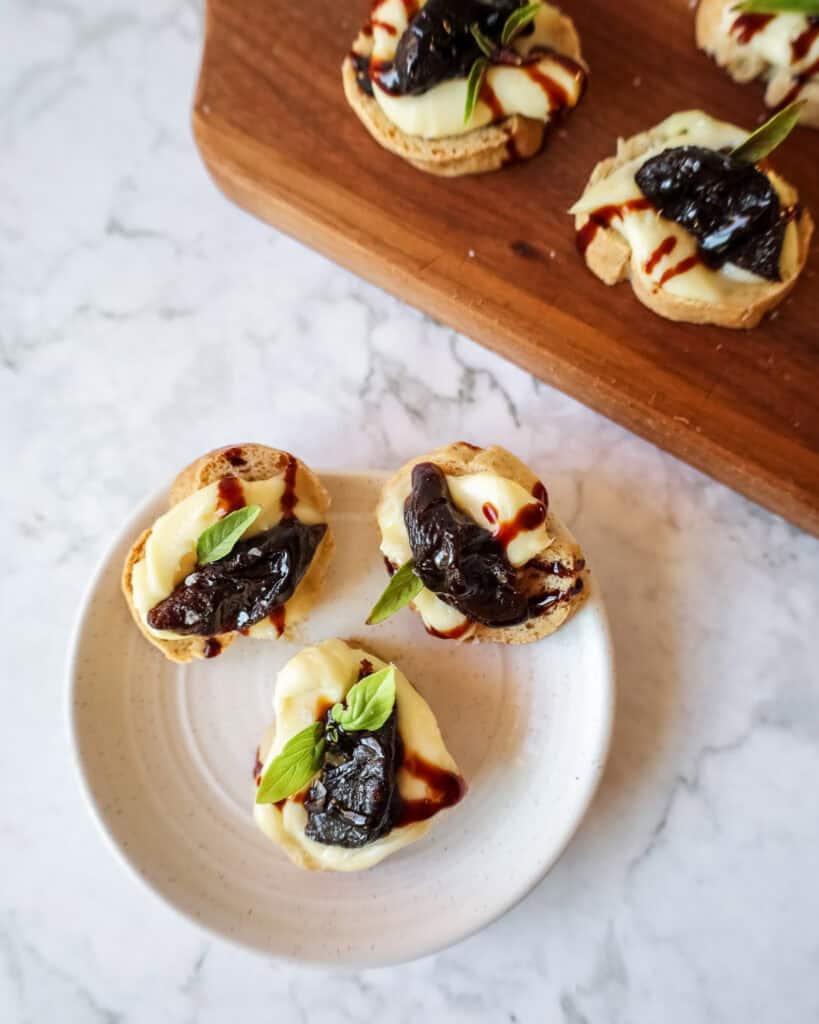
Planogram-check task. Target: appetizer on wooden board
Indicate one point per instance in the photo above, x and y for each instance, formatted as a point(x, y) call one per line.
point(775, 41)
point(694, 216)
point(463, 86)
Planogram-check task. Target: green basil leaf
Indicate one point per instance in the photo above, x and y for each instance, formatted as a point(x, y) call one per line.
point(401, 589)
point(769, 135)
point(300, 758)
point(485, 44)
point(218, 540)
point(778, 7)
point(517, 21)
point(369, 702)
point(473, 87)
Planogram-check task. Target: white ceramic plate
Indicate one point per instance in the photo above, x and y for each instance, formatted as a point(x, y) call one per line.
point(166, 755)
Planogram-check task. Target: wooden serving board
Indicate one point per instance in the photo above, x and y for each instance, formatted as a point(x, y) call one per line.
point(277, 135)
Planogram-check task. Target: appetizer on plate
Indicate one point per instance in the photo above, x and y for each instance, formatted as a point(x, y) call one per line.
point(354, 767)
point(463, 86)
point(243, 549)
point(476, 550)
point(777, 41)
point(694, 216)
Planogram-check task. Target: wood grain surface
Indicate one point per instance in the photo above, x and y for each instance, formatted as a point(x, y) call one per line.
point(275, 131)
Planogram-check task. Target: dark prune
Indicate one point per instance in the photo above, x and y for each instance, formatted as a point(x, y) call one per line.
point(456, 558)
point(730, 207)
point(361, 64)
point(438, 44)
point(355, 800)
point(258, 576)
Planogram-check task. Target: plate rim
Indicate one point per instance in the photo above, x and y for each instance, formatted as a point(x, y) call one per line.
point(594, 605)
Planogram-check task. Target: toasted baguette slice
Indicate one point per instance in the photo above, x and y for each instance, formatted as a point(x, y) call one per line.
point(461, 458)
point(484, 149)
point(743, 65)
point(248, 462)
point(609, 256)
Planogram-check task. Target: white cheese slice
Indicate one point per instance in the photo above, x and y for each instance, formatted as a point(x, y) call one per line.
point(772, 44)
point(439, 112)
point(474, 493)
point(686, 128)
point(441, 618)
point(170, 552)
point(313, 679)
point(782, 86)
point(470, 493)
point(646, 230)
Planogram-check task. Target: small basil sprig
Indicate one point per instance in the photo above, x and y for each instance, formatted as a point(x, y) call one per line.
point(402, 588)
point(218, 540)
point(473, 87)
point(513, 26)
point(807, 7)
point(517, 22)
point(769, 135)
point(369, 704)
point(300, 758)
point(486, 45)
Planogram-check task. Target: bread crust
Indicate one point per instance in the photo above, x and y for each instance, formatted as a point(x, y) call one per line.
point(609, 257)
point(743, 65)
point(461, 458)
point(477, 152)
point(248, 462)
point(485, 149)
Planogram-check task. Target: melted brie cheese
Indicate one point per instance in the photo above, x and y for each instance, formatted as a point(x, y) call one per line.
point(439, 112)
point(646, 230)
point(313, 679)
point(170, 551)
point(472, 494)
point(771, 45)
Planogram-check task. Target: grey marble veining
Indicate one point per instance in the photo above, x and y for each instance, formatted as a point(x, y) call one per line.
point(143, 320)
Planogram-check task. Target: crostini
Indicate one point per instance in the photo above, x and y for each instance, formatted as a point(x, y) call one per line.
point(476, 549)
point(703, 235)
point(243, 549)
point(354, 767)
point(463, 86)
point(778, 46)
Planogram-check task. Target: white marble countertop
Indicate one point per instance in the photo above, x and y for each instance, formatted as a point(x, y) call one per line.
point(143, 320)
